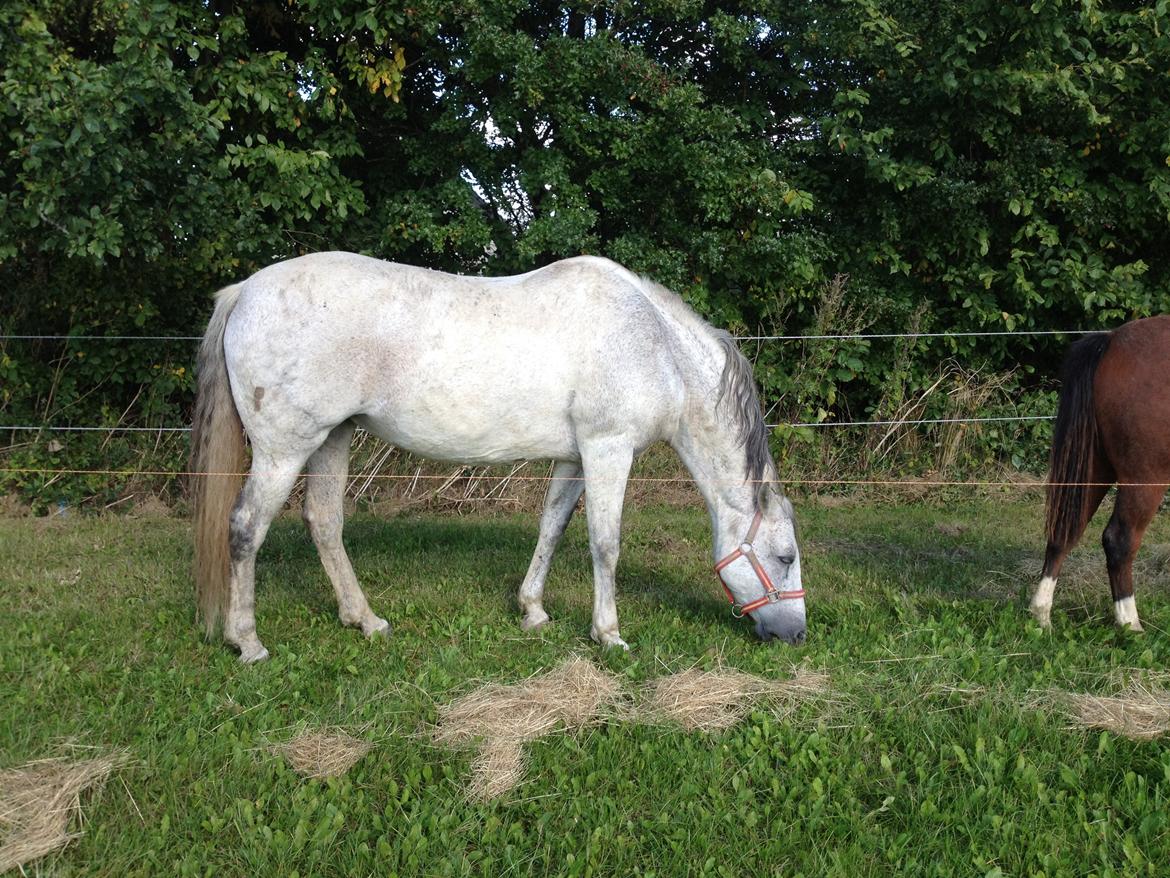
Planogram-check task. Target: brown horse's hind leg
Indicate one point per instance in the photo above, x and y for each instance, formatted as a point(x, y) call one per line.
point(1056, 552)
point(1135, 508)
point(324, 514)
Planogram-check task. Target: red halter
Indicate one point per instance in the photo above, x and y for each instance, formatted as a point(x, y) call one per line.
point(771, 593)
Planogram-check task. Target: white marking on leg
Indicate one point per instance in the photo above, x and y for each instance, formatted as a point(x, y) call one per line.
point(1042, 601)
point(1127, 614)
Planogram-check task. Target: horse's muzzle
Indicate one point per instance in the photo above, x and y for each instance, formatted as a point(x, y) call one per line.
point(792, 634)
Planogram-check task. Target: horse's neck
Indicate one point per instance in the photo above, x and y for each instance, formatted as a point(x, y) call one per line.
point(708, 444)
point(707, 438)
point(716, 462)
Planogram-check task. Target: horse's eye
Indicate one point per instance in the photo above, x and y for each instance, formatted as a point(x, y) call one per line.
point(787, 560)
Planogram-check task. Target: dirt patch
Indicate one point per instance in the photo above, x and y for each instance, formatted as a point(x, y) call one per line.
point(951, 529)
point(11, 506)
point(151, 507)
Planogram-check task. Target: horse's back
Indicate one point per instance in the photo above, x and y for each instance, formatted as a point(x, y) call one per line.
point(1131, 395)
point(448, 366)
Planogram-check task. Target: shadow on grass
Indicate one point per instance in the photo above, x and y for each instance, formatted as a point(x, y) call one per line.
point(484, 558)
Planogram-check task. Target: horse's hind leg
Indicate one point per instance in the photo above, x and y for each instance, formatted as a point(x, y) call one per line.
point(324, 515)
point(1056, 552)
point(264, 492)
point(563, 493)
point(1132, 513)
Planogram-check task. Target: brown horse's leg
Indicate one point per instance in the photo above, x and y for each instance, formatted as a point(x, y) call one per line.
point(1135, 507)
point(1056, 552)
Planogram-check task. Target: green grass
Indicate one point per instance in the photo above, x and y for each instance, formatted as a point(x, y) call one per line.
point(932, 759)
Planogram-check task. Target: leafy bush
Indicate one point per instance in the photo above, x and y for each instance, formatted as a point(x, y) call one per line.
point(968, 166)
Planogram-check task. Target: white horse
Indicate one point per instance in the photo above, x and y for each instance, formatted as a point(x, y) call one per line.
point(581, 362)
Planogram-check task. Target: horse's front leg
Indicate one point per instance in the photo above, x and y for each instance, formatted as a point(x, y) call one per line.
point(563, 493)
point(607, 467)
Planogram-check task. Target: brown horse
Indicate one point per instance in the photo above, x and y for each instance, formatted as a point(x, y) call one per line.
point(1113, 425)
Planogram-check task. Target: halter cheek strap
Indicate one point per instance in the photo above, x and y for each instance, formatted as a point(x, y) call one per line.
point(771, 593)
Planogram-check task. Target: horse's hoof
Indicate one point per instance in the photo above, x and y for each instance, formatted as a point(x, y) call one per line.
point(1043, 616)
point(253, 655)
point(380, 628)
point(534, 620)
point(609, 640)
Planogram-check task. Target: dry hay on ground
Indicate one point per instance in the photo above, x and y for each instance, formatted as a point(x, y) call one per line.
point(318, 753)
point(569, 696)
point(499, 720)
point(1139, 712)
point(1085, 568)
point(714, 700)
point(498, 767)
point(40, 800)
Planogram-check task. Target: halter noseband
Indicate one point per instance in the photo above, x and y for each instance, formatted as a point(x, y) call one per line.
point(771, 593)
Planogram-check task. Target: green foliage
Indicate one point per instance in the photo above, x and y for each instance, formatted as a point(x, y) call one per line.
point(966, 166)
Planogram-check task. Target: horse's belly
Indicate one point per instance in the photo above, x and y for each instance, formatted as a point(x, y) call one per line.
point(483, 435)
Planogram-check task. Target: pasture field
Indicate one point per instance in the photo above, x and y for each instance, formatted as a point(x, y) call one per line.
point(940, 750)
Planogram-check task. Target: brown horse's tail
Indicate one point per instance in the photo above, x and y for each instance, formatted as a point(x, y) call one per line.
point(1075, 443)
point(217, 457)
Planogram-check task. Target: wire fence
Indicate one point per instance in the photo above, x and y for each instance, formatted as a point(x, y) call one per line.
point(100, 337)
point(55, 428)
point(803, 425)
point(859, 336)
point(657, 480)
point(890, 423)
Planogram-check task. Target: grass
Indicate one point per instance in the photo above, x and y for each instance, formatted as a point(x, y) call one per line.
point(936, 752)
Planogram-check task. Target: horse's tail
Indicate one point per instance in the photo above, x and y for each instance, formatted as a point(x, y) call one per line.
point(217, 457)
point(1075, 443)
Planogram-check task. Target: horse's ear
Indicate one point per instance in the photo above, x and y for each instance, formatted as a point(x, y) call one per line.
point(764, 498)
point(772, 501)
point(767, 500)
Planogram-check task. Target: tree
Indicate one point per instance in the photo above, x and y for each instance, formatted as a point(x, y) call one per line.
point(968, 166)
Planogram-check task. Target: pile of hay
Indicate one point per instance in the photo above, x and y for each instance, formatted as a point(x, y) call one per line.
point(715, 700)
point(323, 752)
point(499, 720)
point(1139, 712)
point(39, 801)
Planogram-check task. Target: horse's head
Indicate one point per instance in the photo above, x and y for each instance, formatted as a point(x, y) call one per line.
point(760, 568)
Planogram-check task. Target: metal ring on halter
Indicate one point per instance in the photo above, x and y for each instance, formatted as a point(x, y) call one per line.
point(771, 593)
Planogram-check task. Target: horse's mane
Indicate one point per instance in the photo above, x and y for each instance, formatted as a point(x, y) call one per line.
point(736, 385)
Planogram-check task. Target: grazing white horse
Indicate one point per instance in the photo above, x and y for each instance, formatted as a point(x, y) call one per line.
point(581, 362)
